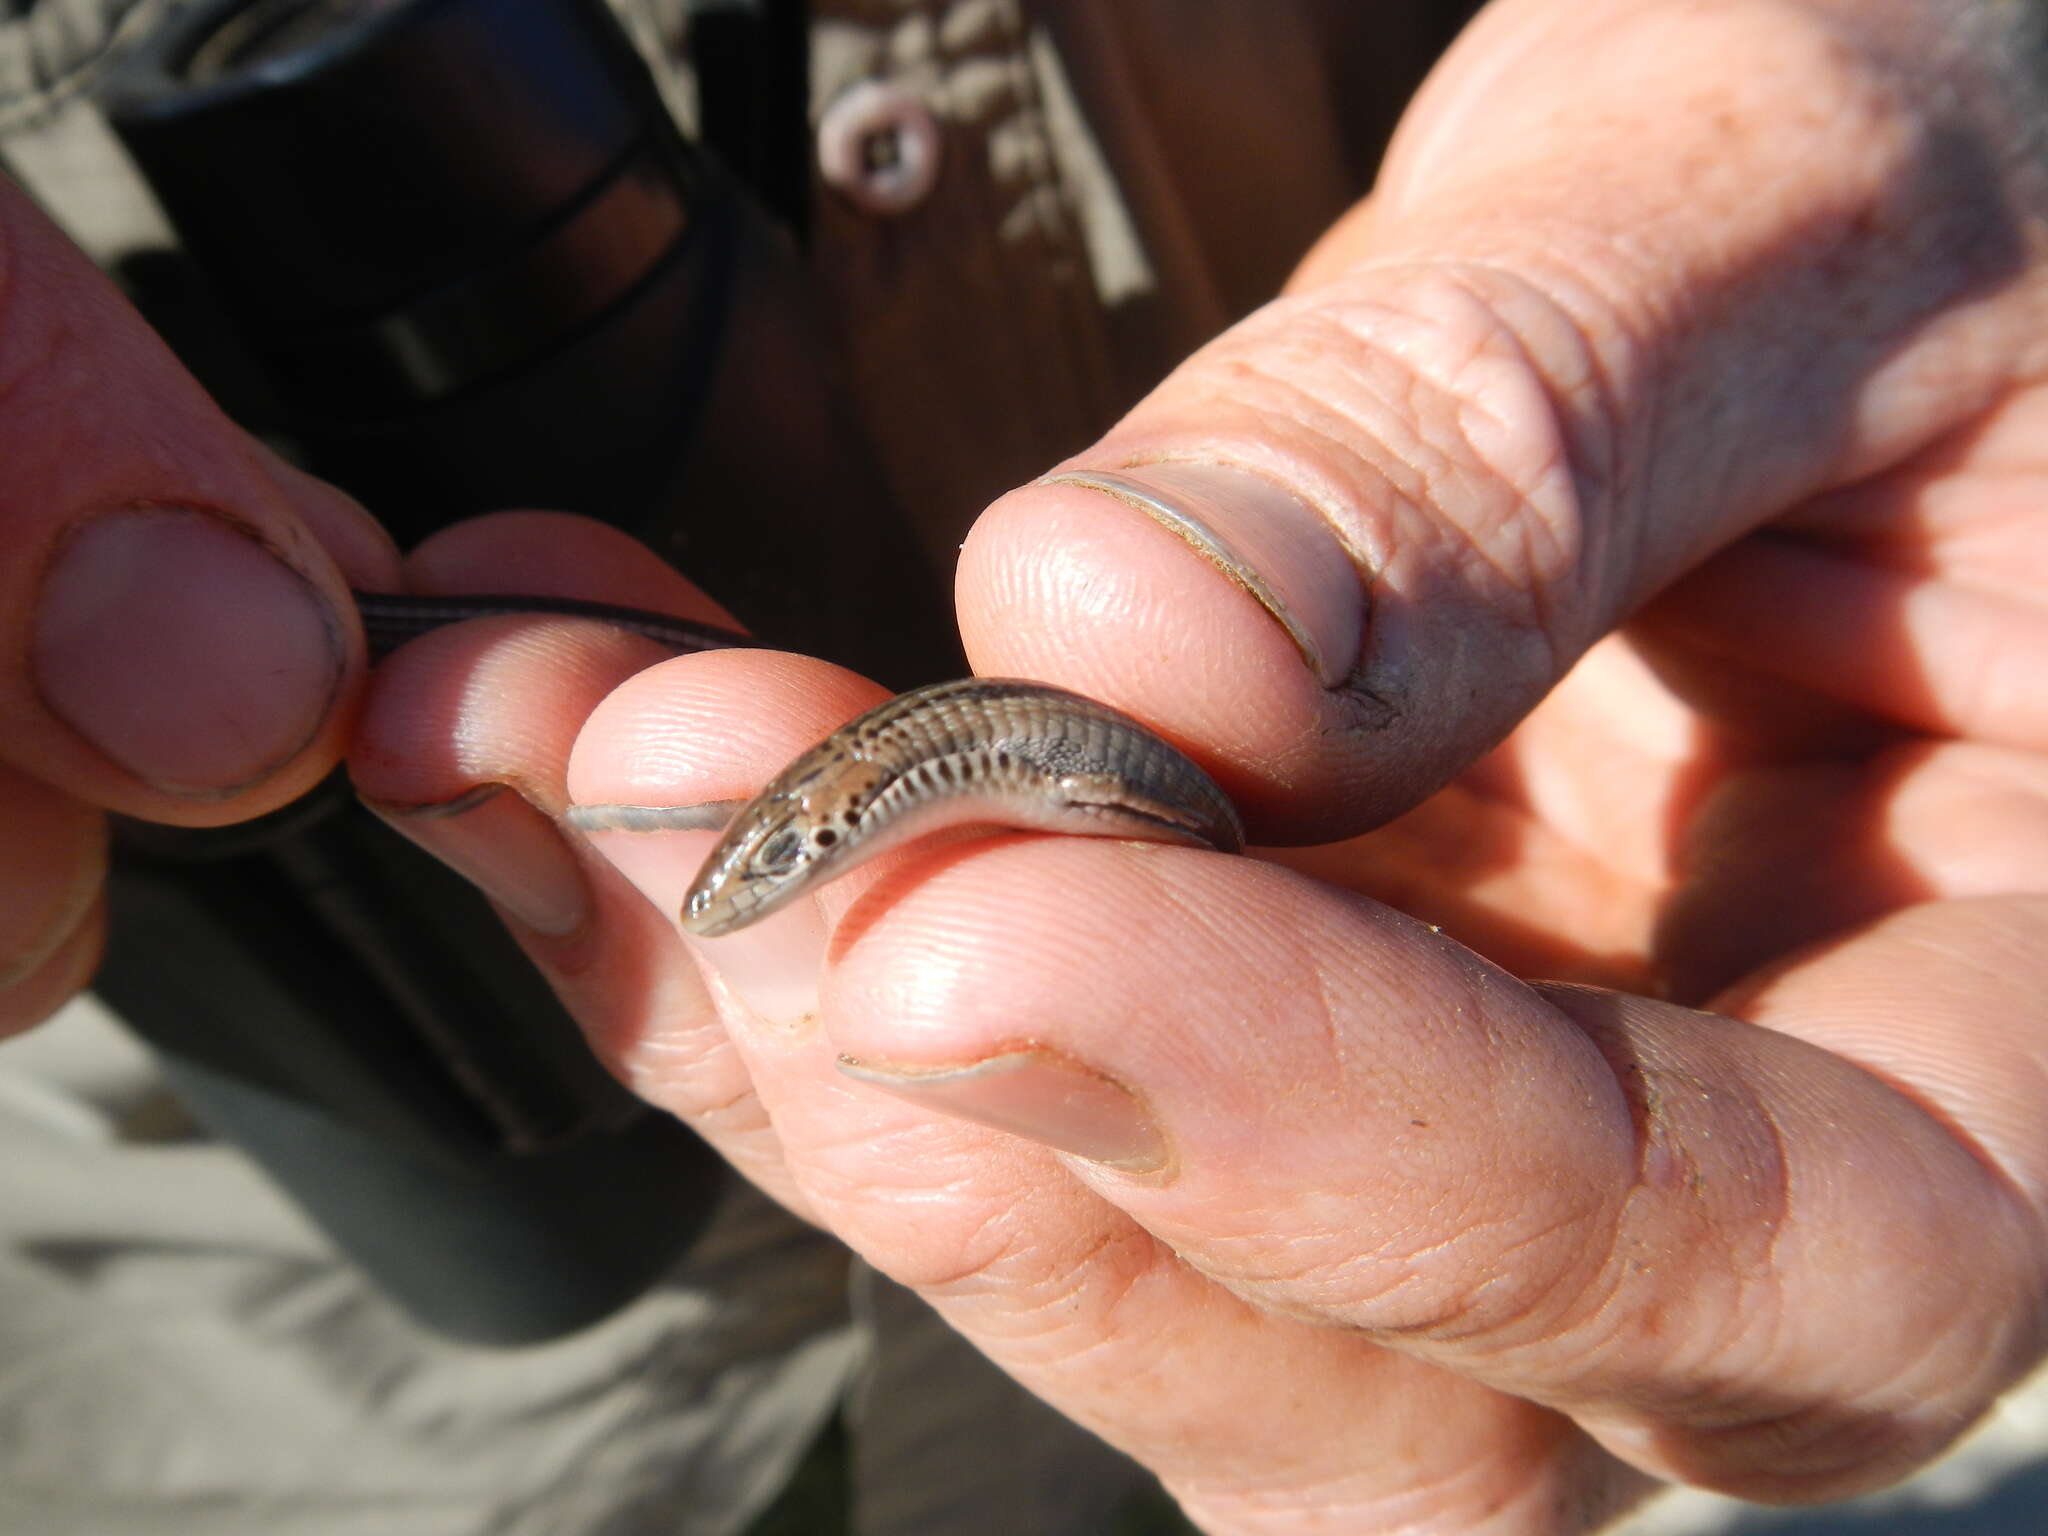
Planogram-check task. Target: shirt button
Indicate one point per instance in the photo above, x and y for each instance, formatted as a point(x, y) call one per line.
point(879, 146)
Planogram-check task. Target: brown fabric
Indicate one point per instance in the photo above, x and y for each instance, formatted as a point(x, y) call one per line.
point(979, 346)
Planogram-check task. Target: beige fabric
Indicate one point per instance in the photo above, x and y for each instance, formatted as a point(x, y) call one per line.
point(180, 1351)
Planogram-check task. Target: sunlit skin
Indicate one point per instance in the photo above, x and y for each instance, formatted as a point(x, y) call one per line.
point(1692, 354)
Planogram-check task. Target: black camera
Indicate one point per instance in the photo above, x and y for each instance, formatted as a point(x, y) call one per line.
point(477, 265)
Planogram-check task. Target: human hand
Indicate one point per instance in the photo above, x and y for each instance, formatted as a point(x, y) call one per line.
point(1731, 311)
point(180, 645)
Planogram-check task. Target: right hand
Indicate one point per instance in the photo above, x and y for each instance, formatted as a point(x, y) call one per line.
point(177, 641)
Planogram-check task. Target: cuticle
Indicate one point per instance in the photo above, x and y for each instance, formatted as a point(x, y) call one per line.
point(1367, 568)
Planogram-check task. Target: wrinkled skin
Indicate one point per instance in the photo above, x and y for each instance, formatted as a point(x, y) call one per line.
point(1679, 399)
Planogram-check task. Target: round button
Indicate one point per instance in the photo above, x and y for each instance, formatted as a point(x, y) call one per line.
point(879, 145)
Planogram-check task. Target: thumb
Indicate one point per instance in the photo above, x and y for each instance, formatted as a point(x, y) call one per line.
point(1625, 293)
point(177, 641)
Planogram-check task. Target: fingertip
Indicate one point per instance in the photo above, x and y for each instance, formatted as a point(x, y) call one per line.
point(700, 730)
point(714, 726)
point(361, 548)
point(1078, 585)
point(556, 554)
point(502, 697)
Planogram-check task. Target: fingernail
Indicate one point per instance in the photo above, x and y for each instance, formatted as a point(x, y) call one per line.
point(184, 650)
point(506, 848)
point(1035, 1093)
point(771, 968)
point(1271, 543)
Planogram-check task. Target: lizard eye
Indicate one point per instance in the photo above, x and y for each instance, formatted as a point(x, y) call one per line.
point(778, 855)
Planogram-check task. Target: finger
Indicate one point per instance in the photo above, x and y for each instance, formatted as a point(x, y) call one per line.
point(463, 747)
point(51, 922)
point(178, 644)
point(1724, 1250)
point(1914, 598)
point(1927, 653)
point(1537, 383)
point(556, 554)
point(1779, 858)
point(646, 745)
point(709, 730)
point(1551, 856)
point(360, 546)
point(1622, 838)
point(1269, 1419)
